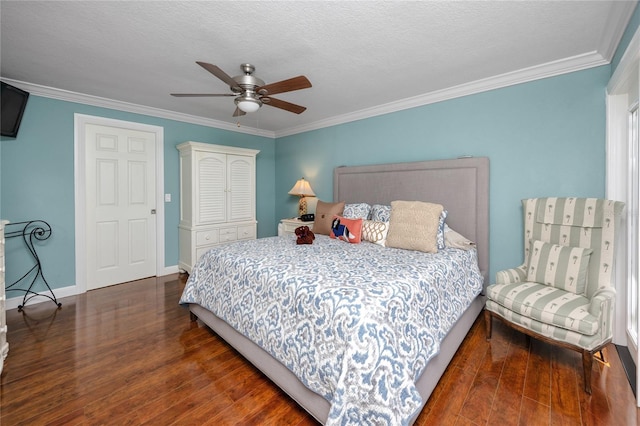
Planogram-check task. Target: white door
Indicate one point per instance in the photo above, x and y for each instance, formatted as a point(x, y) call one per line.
point(120, 205)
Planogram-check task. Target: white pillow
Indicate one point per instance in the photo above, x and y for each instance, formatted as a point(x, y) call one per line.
point(375, 231)
point(456, 240)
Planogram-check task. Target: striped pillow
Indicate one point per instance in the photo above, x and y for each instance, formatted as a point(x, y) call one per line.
point(562, 267)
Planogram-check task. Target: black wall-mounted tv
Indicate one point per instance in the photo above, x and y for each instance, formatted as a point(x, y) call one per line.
point(12, 104)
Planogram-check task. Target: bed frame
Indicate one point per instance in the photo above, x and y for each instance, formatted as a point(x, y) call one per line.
point(461, 185)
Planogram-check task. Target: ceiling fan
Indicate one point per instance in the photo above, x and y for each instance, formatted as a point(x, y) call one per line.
point(250, 92)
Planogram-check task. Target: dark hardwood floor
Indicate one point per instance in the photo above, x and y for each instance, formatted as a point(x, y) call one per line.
point(128, 355)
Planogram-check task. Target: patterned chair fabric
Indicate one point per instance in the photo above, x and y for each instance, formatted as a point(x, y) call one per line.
point(576, 317)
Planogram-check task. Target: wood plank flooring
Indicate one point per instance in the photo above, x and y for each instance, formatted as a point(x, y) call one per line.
point(128, 355)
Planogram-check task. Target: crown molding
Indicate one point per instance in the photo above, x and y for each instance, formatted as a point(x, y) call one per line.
point(615, 27)
point(550, 69)
point(66, 95)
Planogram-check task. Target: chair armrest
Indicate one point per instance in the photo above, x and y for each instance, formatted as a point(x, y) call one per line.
point(601, 298)
point(513, 275)
point(602, 308)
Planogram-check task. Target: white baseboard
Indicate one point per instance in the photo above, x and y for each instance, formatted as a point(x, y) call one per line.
point(14, 302)
point(168, 270)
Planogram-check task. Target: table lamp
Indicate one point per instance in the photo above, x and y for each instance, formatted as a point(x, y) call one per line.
point(302, 189)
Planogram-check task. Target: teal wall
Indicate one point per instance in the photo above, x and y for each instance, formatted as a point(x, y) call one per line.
point(543, 138)
point(37, 180)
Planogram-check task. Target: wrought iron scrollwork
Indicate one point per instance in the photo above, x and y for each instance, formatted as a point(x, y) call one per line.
point(31, 231)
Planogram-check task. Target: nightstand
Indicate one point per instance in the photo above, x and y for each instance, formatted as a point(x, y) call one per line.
point(288, 226)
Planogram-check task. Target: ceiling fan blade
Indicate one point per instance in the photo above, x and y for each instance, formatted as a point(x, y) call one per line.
point(287, 106)
point(238, 112)
point(295, 83)
point(185, 95)
point(213, 69)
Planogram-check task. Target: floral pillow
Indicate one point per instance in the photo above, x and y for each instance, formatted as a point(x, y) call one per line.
point(380, 213)
point(356, 211)
point(440, 243)
point(345, 229)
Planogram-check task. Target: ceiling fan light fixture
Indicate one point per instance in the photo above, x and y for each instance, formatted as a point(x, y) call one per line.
point(248, 103)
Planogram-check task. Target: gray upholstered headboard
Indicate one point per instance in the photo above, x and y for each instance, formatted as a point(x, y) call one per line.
point(460, 185)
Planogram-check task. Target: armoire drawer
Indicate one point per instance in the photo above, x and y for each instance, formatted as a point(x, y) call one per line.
point(228, 234)
point(247, 232)
point(209, 237)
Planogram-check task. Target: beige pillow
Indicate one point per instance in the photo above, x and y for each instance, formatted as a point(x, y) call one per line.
point(414, 225)
point(324, 216)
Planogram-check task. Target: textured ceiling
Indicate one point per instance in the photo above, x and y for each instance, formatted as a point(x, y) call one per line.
point(363, 58)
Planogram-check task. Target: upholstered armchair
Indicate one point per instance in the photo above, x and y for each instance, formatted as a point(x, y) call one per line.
point(562, 293)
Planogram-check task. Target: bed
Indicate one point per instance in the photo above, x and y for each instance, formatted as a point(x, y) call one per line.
point(367, 381)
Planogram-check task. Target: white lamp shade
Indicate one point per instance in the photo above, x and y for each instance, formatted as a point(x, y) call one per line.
point(302, 188)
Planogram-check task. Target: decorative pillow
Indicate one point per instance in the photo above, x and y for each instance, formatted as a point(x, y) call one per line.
point(456, 240)
point(345, 229)
point(440, 235)
point(414, 225)
point(380, 213)
point(558, 266)
point(356, 211)
point(324, 216)
point(375, 232)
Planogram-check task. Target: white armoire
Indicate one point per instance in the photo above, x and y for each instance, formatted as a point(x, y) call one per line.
point(217, 198)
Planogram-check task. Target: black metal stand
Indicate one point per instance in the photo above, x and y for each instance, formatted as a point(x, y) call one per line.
point(30, 231)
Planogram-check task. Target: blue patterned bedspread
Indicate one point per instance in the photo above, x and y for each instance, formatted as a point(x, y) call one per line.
point(356, 323)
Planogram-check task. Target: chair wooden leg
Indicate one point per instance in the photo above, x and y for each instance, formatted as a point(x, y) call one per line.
point(487, 322)
point(587, 364)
